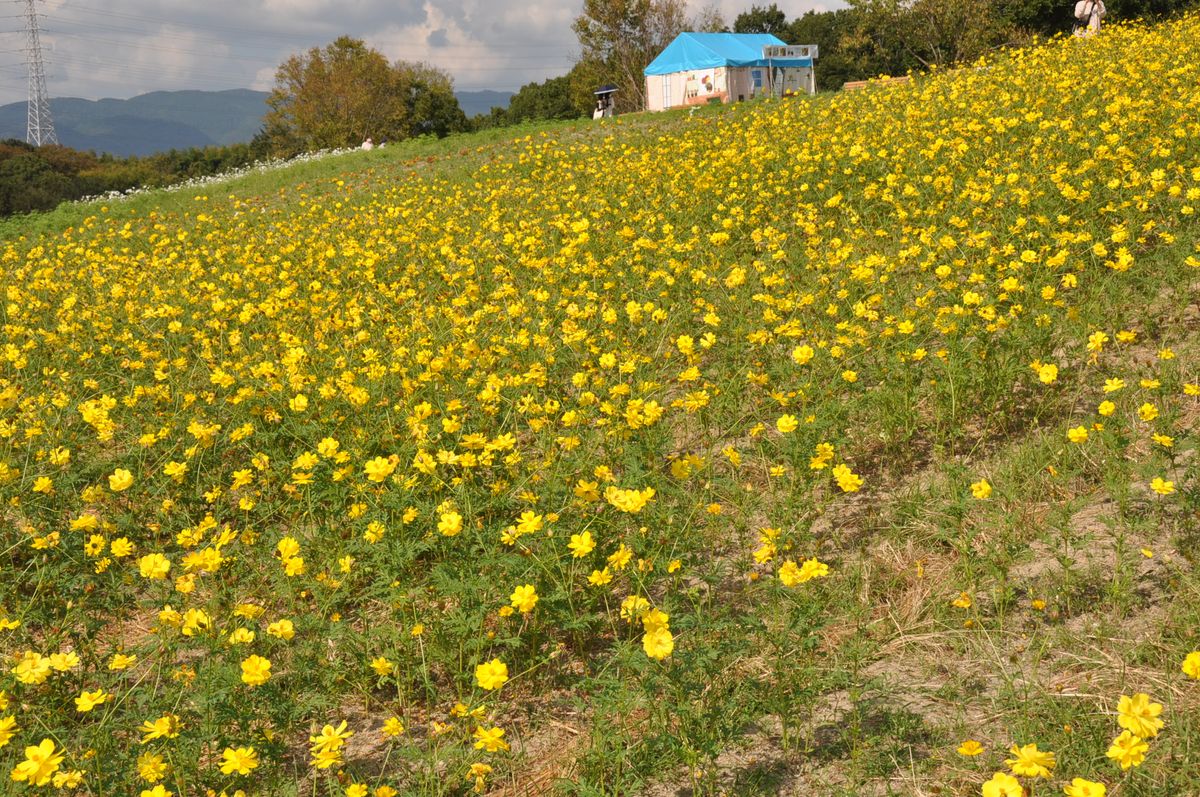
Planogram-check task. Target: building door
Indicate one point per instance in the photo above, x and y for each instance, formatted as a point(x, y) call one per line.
point(666, 92)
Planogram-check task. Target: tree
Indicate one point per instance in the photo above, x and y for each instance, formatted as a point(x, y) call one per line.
point(341, 94)
point(28, 183)
point(618, 38)
point(762, 19)
point(1048, 17)
point(709, 20)
point(935, 32)
point(548, 100)
point(429, 102)
point(851, 45)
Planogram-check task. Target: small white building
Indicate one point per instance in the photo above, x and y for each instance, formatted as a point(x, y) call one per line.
point(697, 68)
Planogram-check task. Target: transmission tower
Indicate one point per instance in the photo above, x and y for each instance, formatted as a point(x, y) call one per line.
point(40, 127)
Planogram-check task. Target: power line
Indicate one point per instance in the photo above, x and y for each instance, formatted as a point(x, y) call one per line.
point(241, 65)
point(288, 37)
point(52, 34)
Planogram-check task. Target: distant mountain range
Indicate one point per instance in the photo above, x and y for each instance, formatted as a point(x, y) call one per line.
point(474, 103)
point(163, 120)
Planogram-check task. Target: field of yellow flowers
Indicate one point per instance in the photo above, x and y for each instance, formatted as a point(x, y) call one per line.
point(831, 446)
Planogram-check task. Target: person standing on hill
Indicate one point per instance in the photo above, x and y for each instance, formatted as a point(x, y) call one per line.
point(1089, 13)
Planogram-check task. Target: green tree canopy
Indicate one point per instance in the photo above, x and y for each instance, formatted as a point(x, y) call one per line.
point(548, 100)
point(762, 19)
point(339, 95)
point(936, 32)
point(618, 38)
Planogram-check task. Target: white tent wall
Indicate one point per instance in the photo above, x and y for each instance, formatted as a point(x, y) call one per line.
point(683, 89)
point(729, 84)
point(741, 83)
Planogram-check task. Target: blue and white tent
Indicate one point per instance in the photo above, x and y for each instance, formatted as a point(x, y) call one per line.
point(699, 67)
point(694, 51)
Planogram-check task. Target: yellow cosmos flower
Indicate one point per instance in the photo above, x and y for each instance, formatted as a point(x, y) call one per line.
point(329, 740)
point(154, 566)
point(1128, 750)
point(658, 643)
point(801, 355)
point(1078, 787)
point(491, 675)
point(1191, 665)
point(382, 666)
point(380, 468)
point(1029, 762)
point(120, 480)
point(790, 574)
point(1139, 716)
point(8, 729)
point(159, 790)
point(165, 727)
point(89, 700)
point(1162, 486)
point(41, 762)
point(599, 578)
point(524, 598)
point(1002, 785)
point(970, 747)
point(240, 760)
point(32, 668)
point(490, 740)
point(846, 479)
point(256, 670)
point(450, 523)
point(581, 544)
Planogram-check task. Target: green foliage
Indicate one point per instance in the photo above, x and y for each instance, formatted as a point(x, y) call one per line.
point(618, 38)
point(39, 178)
point(761, 19)
point(847, 52)
point(935, 32)
point(548, 100)
point(29, 183)
point(346, 92)
point(891, 37)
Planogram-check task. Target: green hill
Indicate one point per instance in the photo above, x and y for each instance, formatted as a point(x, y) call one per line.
point(839, 445)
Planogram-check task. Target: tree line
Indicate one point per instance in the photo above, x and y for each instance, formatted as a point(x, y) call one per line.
point(618, 38)
point(39, 178)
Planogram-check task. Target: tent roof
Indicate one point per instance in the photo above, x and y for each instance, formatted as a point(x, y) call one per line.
point(710, 50)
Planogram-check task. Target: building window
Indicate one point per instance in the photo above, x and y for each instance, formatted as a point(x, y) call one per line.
point(756, 75)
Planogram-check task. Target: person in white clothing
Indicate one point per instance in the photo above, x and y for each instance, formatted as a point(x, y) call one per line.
point(1089, 13)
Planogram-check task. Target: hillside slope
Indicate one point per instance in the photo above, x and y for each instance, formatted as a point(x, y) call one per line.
point(778, 449)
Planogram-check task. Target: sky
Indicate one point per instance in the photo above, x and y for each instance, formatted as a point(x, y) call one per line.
point(122, 48)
